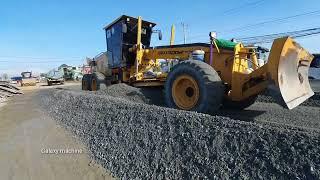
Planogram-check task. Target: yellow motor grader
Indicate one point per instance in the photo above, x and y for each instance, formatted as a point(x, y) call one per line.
point(199, 77)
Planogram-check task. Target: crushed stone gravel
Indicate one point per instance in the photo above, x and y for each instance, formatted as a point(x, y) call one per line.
point(147, 95)
point(312, 101)
point(135, 140)
point(154, 95)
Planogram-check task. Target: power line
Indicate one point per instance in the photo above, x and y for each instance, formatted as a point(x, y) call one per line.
point(10, 61)
point(292, 33)
point(39, 60)
point(242, 6)
point(223, 13)
point(270, 37)
point(47, 58)
point(279, 20)
point(255, 25)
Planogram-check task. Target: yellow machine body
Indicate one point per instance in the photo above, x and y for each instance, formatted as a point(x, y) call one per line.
point(286, 68)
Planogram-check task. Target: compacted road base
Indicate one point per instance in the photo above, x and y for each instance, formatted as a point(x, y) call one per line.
point(138, 140)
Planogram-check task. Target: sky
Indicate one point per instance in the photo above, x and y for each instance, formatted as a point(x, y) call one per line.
point(39, 35)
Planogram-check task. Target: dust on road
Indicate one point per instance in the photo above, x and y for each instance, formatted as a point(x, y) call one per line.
point(26, 133)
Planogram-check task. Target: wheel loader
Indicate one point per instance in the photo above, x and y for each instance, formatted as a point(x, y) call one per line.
point(200, 77)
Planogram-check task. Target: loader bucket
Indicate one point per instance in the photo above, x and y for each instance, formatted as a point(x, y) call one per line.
point(288, 67)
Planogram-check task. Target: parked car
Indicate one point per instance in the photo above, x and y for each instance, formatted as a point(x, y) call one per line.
point(55, 77)
point(314, 70)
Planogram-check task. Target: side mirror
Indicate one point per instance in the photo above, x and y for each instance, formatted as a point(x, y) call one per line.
point(160, 35)
point(213, 35)
point(124, 28)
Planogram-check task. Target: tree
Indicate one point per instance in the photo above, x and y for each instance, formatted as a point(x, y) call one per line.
point(5, 77)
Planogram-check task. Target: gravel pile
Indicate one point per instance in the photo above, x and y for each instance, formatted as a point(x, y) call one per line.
point(140, 141)
point(2, 99)
point(7, 90)
point(149, 95)
point(312, 101)
point(146, 95)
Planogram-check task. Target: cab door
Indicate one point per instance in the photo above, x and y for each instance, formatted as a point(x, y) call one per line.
point(114, 44)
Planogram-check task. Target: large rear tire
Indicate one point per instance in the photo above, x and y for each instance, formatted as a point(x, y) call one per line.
point(86, 80)
point(194, 85)
point(98, 81)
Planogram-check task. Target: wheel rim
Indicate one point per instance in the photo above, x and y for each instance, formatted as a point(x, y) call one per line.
point(185, 92)
point(93, 85)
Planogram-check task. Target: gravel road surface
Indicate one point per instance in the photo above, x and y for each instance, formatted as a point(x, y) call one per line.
point(134, 139)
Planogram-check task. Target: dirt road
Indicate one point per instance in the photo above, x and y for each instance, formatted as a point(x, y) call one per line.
point(27, 135)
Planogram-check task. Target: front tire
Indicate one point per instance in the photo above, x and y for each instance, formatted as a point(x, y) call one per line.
point(194, 85)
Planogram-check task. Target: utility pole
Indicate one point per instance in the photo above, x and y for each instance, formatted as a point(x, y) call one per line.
point(173, 33)
point(184, 27)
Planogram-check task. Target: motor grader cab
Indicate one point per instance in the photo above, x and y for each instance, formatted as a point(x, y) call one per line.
point(201, 77)
point(121, 35)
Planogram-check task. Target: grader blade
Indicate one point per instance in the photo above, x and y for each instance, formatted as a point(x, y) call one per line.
point(288, 66)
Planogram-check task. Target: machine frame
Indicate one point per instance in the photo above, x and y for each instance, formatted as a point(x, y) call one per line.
point(238, 68)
